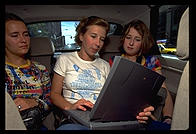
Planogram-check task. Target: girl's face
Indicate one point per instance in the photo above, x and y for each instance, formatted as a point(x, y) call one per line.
point(92, 41)
point(132, 43)
point(17, 40)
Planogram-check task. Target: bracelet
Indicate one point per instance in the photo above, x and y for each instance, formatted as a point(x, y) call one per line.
point(37, 100)
point(166, 117)
point(40, 104)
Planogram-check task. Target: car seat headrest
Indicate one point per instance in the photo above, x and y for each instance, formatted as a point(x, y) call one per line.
point(41, 46)
point(182, 50)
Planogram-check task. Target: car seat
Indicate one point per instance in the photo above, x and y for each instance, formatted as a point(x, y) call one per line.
point(42, 51)
point(111, 47)
point(180, 119)
point(13, 120)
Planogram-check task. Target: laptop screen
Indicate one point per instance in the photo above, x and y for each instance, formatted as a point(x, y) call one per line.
point(128, 89)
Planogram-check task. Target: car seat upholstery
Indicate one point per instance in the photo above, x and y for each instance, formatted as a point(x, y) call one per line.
point(111, 48)
point(180, 119)
point(13, 120)
point(42, 50)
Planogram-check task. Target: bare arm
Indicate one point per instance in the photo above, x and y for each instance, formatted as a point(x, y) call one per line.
point(56, 90)
point(62, 103)
point(168, 108)
point(25, 103)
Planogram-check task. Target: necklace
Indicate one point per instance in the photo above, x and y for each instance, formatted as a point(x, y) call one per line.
point(20, 66)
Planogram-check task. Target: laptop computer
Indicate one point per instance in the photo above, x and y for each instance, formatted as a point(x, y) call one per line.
point(129, 88)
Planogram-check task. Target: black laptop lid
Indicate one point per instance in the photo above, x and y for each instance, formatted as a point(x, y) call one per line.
point(128, 89)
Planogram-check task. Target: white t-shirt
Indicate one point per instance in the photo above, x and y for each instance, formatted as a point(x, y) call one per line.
point(82, 79)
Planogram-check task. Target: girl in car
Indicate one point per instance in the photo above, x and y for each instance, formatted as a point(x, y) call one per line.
point(137, 44)
point(27, 82)
point(80, 75)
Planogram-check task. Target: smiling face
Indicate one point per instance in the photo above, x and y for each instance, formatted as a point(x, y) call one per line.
point(132, 42)
point(17, 40)
point(92, 41)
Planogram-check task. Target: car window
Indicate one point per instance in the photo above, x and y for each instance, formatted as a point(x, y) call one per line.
point(62, 33)
point(169, 18)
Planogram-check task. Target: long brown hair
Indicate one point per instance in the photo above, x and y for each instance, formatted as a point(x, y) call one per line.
point(142, 29)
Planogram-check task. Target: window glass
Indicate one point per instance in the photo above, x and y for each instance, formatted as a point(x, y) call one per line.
point(169, 18)
point(68, 34)
point(62, 33)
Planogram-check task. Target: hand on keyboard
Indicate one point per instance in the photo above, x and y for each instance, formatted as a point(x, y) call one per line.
point(86, 107)
point(83, 104)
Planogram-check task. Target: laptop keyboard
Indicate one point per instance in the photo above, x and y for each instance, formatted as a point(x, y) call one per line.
point(84, 115)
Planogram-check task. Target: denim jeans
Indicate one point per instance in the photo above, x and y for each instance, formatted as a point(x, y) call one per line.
point(72, 127)
point(156, 125)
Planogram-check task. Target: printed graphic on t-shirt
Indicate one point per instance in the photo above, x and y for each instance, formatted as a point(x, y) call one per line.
point(88, 80)
point(23, 84)
point(26, 82)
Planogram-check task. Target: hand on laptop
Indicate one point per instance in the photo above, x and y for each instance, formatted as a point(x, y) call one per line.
point(144, 116)
point(83, 104)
